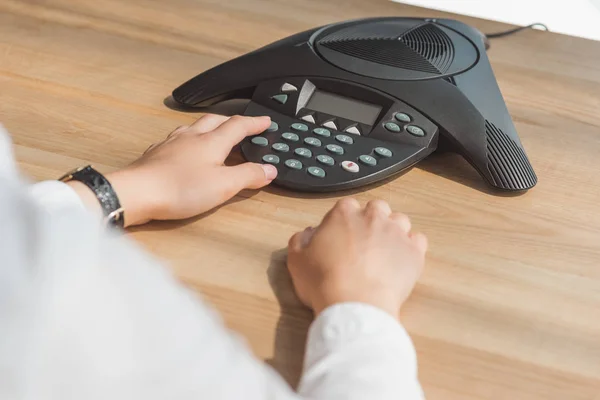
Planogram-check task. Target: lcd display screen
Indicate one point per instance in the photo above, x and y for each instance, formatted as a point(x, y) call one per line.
point(343, 107)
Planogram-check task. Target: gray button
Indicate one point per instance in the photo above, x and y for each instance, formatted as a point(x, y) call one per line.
point(260, 141)
point(368, 160)
point(302, 152)
point(293, 164)
point(392, 127)
point(415, 130)
point(308, 118)
point(288, 87)
point(271, 159)
point(330, 124)
point(273, 127)
point(290, 137)
point(335, 149)
point(312, 141)
point(402, 117)
point(353, 130)
point(325, 159)
point(344, 139)
point(322, 132)
point(281, 147)
point(299, 127)
point(317, 172)
point(280, 98)
point(383, 152)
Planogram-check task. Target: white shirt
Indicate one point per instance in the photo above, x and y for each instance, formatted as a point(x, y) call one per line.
point(86, 314)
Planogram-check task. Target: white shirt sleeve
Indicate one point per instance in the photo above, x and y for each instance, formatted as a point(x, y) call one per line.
point(86, 314)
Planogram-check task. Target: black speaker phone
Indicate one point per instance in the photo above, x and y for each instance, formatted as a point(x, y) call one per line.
point(354, 102)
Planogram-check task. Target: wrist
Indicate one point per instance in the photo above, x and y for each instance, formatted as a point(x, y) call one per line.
point(137, 194)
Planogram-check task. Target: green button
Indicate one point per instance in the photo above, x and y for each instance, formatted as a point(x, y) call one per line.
point(260, 141)
point(280, 98)
point(302, 152)
point(402, 117)
point(281, 147)
point(299, 127)
point(368, 160)
point(415, 130)
point(344, 139)
point(317, 172)
point(290, 137)
point(325, 159)
point(383, 152)
point(273, 127)
point(392, 127)
point(335, 149)
point(322, 132)
point(293, 164)
point(271, 159)
point(312, 141)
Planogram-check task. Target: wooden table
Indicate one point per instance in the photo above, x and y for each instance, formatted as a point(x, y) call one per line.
point(509, 305)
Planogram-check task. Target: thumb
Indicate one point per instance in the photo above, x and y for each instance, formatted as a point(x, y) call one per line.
point(249, 176)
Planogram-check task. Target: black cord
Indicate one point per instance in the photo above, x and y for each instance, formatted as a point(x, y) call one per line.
point(515, 30)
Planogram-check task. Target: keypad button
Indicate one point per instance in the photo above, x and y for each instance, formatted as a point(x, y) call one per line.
point(299, 127)
point(325, 159)
point(368, 160)
point(350, 166)
point(308, 118)
point(392, 127)
point(281, 147)
point(402, 117)
point(280, 98)
point(331, 125)
point(290, 137)
point(288, 87)
point(271, 159)
point(293, 164)
point(344, 139)
point(316, 172)
point(260, 141)
point(311, 141)
point(383, 152)
point(302, 152)
point(353, 130)
point(273, 127)
point(335, 149)
point(415, 130)
point(322, 132)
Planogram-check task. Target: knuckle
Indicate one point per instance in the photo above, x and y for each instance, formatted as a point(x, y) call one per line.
point(346, 204)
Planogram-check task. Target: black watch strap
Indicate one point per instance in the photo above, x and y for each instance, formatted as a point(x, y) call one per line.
point(111, 207)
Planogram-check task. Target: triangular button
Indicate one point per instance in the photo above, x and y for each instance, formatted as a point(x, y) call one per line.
point(287, 87)
point(280, 98)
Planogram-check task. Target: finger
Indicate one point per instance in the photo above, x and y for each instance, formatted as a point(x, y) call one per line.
point(247, 176)
point(378, 207)
point(151, 147)
point(342, 207)
point(402, 220)
point(208, 123)
point(301, 239)
point(178, 130)
point(237, 128)
point(420, 241)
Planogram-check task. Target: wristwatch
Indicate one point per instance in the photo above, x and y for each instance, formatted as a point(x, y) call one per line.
point(114, 214)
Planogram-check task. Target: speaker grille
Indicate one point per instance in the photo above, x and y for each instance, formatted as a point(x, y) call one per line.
point(507, 162)
point(425, 48)
point(432, 44)
point(388, 52)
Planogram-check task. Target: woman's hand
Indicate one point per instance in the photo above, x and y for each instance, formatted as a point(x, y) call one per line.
point(366, 255)
point(184, 175)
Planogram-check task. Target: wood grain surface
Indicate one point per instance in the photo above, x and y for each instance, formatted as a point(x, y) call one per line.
point(509, 305)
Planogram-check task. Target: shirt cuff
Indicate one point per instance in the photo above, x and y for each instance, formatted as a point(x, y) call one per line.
point(341, 325)
point(55, 196)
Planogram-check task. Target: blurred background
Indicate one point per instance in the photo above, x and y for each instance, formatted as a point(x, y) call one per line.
point(571, 17)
